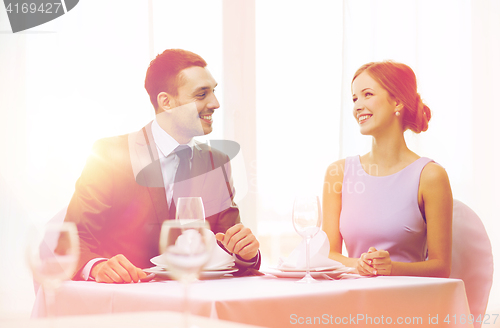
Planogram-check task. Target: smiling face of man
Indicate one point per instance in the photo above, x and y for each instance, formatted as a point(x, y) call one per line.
point(189, 113)
point(198, 85)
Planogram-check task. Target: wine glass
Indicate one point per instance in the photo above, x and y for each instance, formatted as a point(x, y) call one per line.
point(190, 209)
point(52, 254)
point(306, 217)
point(186, 247)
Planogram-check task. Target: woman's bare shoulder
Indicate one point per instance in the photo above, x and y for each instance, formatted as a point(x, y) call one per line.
point(335, 170)
point(434, 173)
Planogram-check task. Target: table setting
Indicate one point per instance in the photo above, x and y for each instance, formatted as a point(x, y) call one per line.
point(219, 264)
point(320, 266)
point(309, 260)
point(194, 275)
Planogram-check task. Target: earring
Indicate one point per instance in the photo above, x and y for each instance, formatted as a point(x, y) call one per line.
point(398, 113)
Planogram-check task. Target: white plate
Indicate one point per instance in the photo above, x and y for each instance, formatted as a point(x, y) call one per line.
point(164, 274)
point(315, 274)
point(158, 261)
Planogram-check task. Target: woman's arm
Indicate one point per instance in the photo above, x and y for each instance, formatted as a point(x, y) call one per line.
point(436, 200)
point(332, 204)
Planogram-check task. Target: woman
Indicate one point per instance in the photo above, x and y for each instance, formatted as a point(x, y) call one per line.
point(392, 208)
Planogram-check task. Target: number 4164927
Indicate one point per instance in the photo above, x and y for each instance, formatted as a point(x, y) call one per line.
point(24, 8)
point(463, 319)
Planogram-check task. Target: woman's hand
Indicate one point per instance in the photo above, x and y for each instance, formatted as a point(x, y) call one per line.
point(374, 262)
point(379, 260)
point(364, 265)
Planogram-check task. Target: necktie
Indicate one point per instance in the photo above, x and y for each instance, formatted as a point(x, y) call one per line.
point(181, 180)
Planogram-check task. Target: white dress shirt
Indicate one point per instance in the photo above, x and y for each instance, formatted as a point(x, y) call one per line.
point(169, 162)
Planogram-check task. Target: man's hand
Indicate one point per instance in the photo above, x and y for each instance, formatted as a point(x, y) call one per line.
point(118, 269)
point(240, 240)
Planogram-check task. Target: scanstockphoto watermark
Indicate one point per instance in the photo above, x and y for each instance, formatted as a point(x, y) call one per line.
point(354, 319)
point(365, 319)
point(26, 14)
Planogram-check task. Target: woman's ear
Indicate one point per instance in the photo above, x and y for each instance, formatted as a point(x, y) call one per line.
point(399, 104)
point(398, 108)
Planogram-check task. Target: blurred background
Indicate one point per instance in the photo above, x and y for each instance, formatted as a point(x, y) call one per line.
point(284, 70)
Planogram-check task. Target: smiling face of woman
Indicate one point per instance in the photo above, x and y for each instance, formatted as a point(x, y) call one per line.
point(374, 109)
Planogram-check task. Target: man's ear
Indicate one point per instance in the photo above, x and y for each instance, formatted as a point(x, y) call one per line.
point(164, 101)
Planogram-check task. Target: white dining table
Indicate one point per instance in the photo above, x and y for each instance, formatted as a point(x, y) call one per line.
point(278, 302)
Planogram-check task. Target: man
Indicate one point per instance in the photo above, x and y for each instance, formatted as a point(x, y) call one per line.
point(129, 185)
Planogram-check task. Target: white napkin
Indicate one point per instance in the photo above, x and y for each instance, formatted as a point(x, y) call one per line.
point(319, 248)
point(219, 259)
point(188, 243)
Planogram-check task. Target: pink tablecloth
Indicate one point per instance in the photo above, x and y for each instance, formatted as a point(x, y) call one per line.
point(156, 319)
point(273, 302)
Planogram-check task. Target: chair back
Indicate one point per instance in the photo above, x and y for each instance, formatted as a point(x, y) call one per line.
point(472, 258)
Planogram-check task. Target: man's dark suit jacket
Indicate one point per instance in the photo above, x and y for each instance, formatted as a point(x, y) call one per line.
point(119, 202)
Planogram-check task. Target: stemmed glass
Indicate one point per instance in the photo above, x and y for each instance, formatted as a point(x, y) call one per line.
point(52, 255)
point(186, 246)
point(307, 218)
point(190, 209)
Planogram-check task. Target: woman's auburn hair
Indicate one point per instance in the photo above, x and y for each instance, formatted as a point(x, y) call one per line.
point(400, 82)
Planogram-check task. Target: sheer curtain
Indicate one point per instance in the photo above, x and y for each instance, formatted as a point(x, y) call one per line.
point(68, 83)
point(63, 85)
point(299, 70)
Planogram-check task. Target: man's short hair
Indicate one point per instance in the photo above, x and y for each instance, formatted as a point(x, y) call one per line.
point(163, 72)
